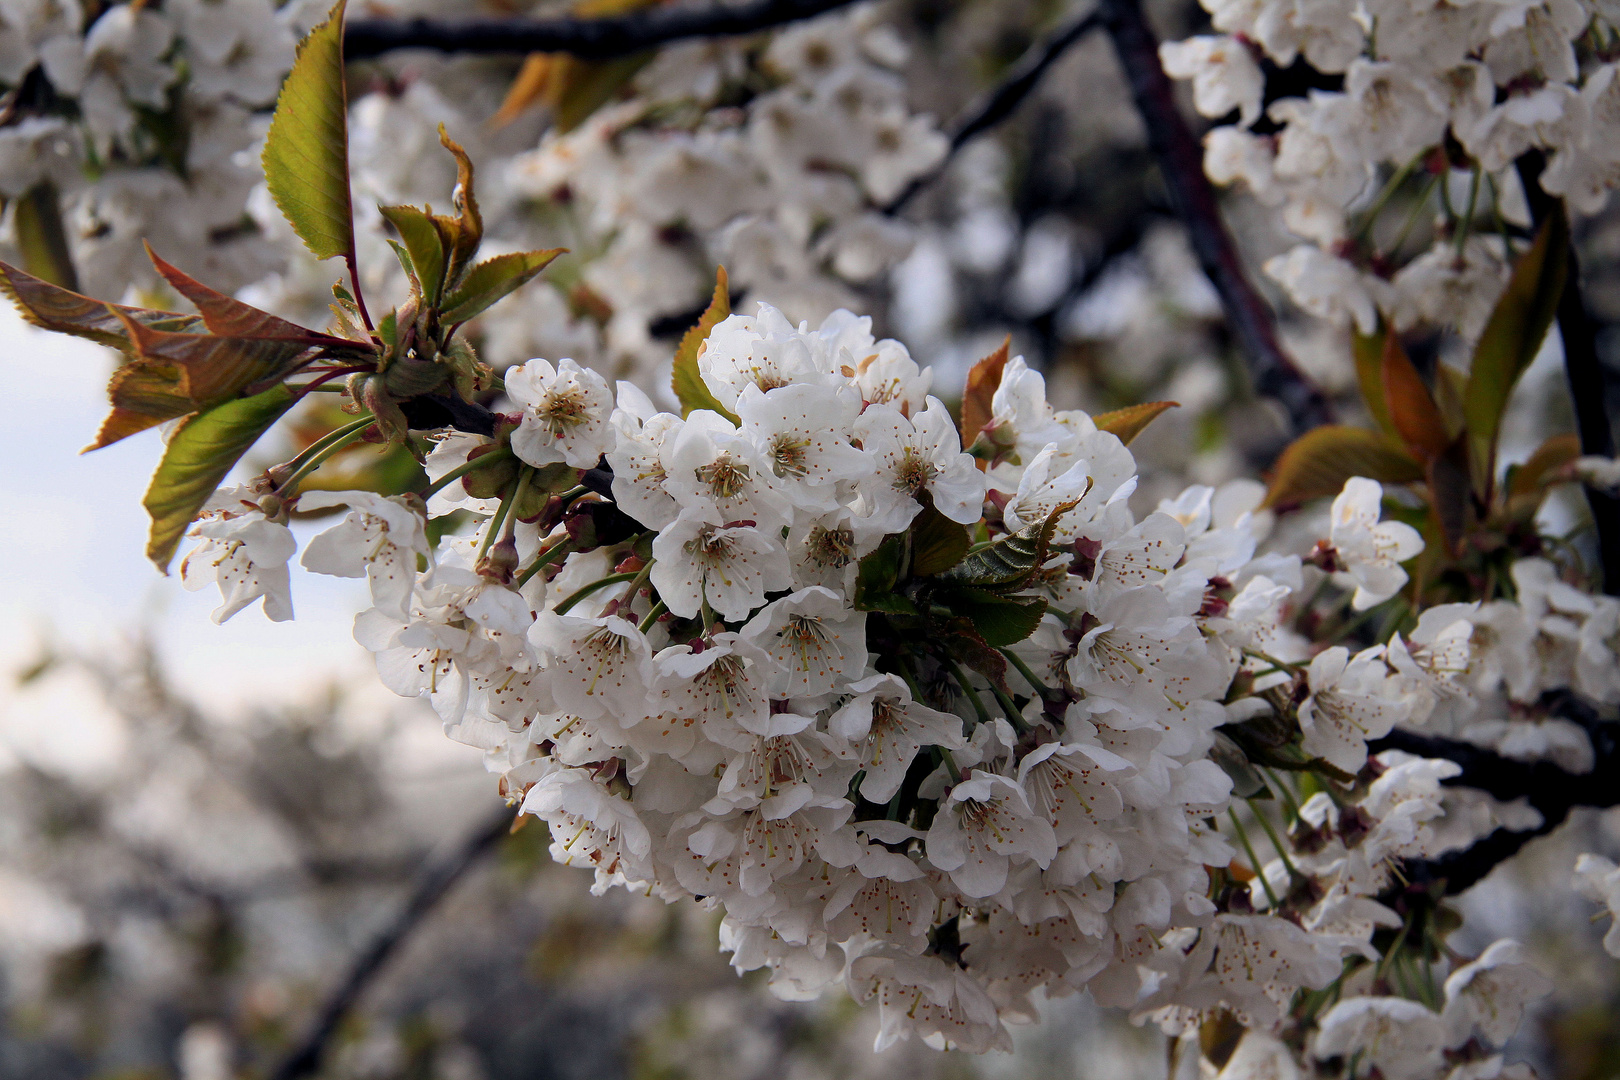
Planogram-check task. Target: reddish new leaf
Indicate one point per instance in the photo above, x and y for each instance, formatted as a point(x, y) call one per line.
point(230, 317)
point(1410, 406)
point(982, 382)
point(1129, 422)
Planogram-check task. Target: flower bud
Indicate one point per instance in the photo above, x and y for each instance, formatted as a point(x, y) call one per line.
point(501, 562)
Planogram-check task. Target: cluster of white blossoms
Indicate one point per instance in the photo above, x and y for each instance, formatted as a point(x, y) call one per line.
point(1456, 93)
point(126, 110)
point(652, 191)
point(761, 655)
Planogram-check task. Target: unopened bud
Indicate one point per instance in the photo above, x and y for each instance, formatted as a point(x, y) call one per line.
point(501, 562)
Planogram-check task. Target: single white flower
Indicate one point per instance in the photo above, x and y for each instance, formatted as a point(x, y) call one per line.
point(817, 641)
point(242, 552)
point(379, 539)
point(732, 567)
point(565, 414)
point(914, 456)
point(887, 729)
point(1371, 551)
point(1353, 700)
point(980, 826)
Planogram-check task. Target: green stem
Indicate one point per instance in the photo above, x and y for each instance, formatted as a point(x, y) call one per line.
point(1008, 706)
point(1468, 218)
point(1412, 218)
point(601, 583)
point(498, 454)
point(323, 448)
point(652, 616)
point(1248, 849)
point(1276, 842)
point(497, 524)
point(1287, 792)
point(1386, 193)
point(961, 680)
point(552, 554)
point(943, 756)
point(1029, 676)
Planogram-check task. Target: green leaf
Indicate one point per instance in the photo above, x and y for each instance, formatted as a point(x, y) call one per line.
point(937, 542)
point(585, 86)
point(1008, 564)
point(688, 384)
point(1449, 494)
point(1128, 423)
point(877, 575)
point(1511, 340)
point(306, 153)
point(1527, 480)
point(40, 236)
point(961, 639)
point(199, 455)
point(1317, 464)
point(424, 246)
point(999, 621)
point(492, 279)
point(52, 307)
point(1368, 353)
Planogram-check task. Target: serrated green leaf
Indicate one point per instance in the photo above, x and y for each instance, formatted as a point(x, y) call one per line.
point(687, 382)
point(878, 573)
point(959, 638)
point(1130, 422)
point(1510, 341)
point(199, 455)
point(492, 279)
point(1008, 564)
point(306, 153)
point(999, 621)
point(424, 246)
point(1317, 464)
point(937, 543)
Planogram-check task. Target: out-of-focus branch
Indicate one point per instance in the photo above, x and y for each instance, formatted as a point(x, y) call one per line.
point(593, 39)
point(435, 881)
point(1552, 791)
point(1181, 160)
point(1584, 373)
point(1003, 99)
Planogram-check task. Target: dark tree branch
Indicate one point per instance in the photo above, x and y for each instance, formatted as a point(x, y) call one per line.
point(1553, 792)
point(434, 882)
point(1003, 99)
point(593, 39)
point(1181, 159)
point(1584, 373)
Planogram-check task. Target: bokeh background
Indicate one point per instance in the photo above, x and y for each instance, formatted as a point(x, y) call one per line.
point(202, 827)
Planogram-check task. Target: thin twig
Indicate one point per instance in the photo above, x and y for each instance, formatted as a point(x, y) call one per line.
point(594, 39)
point(1584, 373)
point(435, 881)
point(1181, 160)
point(1003, 99)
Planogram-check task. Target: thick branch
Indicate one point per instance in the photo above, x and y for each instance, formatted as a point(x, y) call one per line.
point(435, 881)
point(1584, 373)
point(1003, 99)
point(594, 39)
point(1181, 160)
